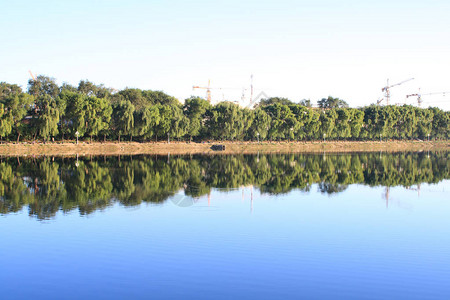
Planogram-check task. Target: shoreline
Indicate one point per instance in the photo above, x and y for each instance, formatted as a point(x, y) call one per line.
point(179, 148)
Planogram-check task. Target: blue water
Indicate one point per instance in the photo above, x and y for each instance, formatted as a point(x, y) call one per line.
point(356, 244)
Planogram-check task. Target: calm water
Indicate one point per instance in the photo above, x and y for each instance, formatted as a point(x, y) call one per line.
point(362, 226)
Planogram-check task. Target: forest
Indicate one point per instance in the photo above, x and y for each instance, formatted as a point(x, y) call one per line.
point(47, 185)
point(49, 112)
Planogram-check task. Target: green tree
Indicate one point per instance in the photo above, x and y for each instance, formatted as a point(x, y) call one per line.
point(274, 100)
point(98, 115)
point(259, 128)
point(17, 107)
point(7, 90)
point(441, 124)
point(90, 89)
point(331, 102)
point(147, 121)
point(424, 123)
point(180, 124)
point(343, 128)
point(6, 122)
point(306, 103)
point(223, 121)
point(195, 109)
point(68, 88)
point(406, 122)
point(75, 117)
point(141, 99)
point(283, 121)
point(328, 122)
point(165, 121)
point(47, 117)
point(356, 122)
point(43, 85)
point(123, 118)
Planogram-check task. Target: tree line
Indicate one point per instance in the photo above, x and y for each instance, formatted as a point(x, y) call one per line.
point(48, 185)
point(47, 112)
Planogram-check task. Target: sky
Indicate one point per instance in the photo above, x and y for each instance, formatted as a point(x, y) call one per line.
point(294, 49)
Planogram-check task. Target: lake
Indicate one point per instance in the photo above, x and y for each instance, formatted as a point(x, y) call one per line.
point(328, 226)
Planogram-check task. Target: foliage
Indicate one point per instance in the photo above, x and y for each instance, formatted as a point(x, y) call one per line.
point(123, 118)
point(331, 102)
point(47, 111)
point(48, 185)
point(273, 100)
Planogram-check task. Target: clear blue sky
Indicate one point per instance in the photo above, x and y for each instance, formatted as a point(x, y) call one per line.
point(295, 49)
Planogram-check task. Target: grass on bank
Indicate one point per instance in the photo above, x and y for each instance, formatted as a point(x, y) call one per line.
point(133, 148)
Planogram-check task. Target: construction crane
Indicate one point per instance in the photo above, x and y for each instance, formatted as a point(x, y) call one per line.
point(32, 76)
point(419, 96)
point(209, 88)
point(387, 90)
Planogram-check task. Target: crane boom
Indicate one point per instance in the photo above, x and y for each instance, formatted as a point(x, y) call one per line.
point(387, 87)
point(387, 91)
point(32, 76)
point(209, 88)
point(419, 95)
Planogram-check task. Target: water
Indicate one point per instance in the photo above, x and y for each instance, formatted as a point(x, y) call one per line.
point(361, 226)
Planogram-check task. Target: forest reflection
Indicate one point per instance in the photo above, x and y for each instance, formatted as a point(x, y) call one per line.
point(47, 185)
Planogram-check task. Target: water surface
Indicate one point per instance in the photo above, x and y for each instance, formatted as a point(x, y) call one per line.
point(358, 226)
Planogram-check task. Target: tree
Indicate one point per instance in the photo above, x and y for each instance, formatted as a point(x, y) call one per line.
point(67, 87)
point(180, 123)
point(159, 97)
point(406, 122)
point(141, 99)
point(303, 117)
point(7, 90)
point(247, 117)
point(90, 89)
point(331, 102)
point(195, 109)
point(283, 121)
point(356, 122)
point(123, 118)
point(98, 115)
point(5, 122)
point(343, 127)
point(312, 124)
point(328, 122)
point(306, 103)
point(260, 125)
point(223, 121)
point(441, 123)
point(165, 121)
point(46, 112)
point(134, 96)
point(273, 100)
point(47, 116)
point(15, 107)
point(424, 123)
point(75, 116)
point(42, 86)
point(147, 121)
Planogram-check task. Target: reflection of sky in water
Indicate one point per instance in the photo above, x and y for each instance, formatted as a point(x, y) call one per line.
point(298, 245)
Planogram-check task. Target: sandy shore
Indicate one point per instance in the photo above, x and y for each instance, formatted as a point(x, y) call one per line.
point(133, 148)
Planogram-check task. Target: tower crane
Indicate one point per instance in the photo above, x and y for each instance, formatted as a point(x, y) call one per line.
point(419, 96)
point(209, 88)
point(32, 76)
point(387, 90)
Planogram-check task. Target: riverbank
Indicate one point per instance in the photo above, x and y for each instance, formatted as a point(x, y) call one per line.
point(134, 148)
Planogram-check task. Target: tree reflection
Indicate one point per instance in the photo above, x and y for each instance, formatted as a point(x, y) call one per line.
point(48, 185)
